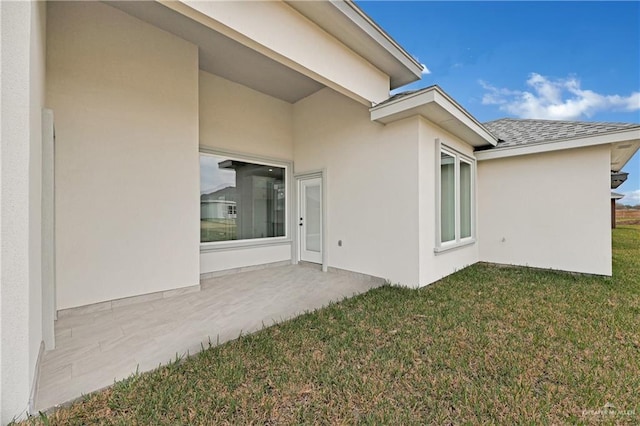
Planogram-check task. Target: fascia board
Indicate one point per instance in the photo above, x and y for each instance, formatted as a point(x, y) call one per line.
point(385, 113)
point(578, 142)
point(464, 117)
point(375, 45)
point(369, 26)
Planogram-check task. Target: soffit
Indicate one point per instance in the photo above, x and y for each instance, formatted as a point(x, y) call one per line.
point(621, 153)
point(223, 56)
point(616, 196)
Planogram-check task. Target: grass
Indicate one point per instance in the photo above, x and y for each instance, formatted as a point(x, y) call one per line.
point(217, 230)
point(485, 345)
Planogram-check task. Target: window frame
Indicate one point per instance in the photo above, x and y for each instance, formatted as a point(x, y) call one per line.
point(459, 157)
point(252, 242)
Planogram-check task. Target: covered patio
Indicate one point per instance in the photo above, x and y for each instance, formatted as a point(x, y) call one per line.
point(95, 348)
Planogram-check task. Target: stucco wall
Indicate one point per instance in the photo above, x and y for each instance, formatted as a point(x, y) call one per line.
point(434, 266)
point(371, 184)
point(22, 63)
point(14, 215)
point(547, 210)
point(243, 257)
point(125, 100)
point(237, 119)
point(37, 95)
point(297, 44)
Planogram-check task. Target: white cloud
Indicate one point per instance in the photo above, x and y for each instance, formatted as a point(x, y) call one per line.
point(631, 198)
point(425, 69)
point(556, 99)
point(496, 96)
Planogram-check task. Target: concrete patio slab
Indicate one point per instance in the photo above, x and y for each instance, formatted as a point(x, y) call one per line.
point(95, 348)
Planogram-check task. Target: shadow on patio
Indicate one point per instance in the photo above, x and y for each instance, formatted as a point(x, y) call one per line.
point(94, 349)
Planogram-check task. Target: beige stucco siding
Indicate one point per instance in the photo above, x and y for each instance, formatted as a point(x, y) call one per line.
point(434, 266)
point(22, 80)
point(37, 95)
point(547, 210)
point(371, 184)
point(238, 119)
point(125, 100)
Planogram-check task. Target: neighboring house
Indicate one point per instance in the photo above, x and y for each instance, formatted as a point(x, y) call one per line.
point(220, 204)
point(294, 98)
point(618, 178)
point(614, 199)
point(217, 209)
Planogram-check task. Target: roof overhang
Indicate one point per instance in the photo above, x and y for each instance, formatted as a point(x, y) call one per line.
point(618, 178)
point(243, 64)
point(624, 143)
point(348, 23)
point(436, 106)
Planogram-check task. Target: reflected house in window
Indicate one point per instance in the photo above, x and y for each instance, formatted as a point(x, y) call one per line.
point(218, 213)
point(220, 204)
point(250, 208)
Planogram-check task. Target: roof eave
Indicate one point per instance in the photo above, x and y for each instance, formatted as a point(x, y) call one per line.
point(371, 41)
point(618, 139)
point(436, 106)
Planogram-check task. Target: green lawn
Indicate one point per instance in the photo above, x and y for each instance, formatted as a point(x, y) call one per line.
point(485, 345)
point(217, 230)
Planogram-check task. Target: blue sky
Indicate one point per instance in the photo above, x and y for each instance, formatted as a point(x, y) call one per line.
point(552, 60)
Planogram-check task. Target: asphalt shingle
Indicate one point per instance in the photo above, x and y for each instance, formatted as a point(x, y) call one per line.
point(514, 132)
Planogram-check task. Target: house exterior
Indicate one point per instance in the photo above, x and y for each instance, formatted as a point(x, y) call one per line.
point(536, 156)
point(118, 117)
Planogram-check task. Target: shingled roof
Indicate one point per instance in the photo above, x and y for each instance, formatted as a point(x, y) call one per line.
point(515, 132)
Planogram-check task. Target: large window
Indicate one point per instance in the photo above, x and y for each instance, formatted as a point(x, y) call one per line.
point(240, 200)
point(455, 201)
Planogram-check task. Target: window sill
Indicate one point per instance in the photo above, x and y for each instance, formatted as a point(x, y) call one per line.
point(449, 247)
point(235, 245)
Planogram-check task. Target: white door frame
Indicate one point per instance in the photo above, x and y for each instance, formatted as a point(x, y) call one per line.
point(321, 174)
